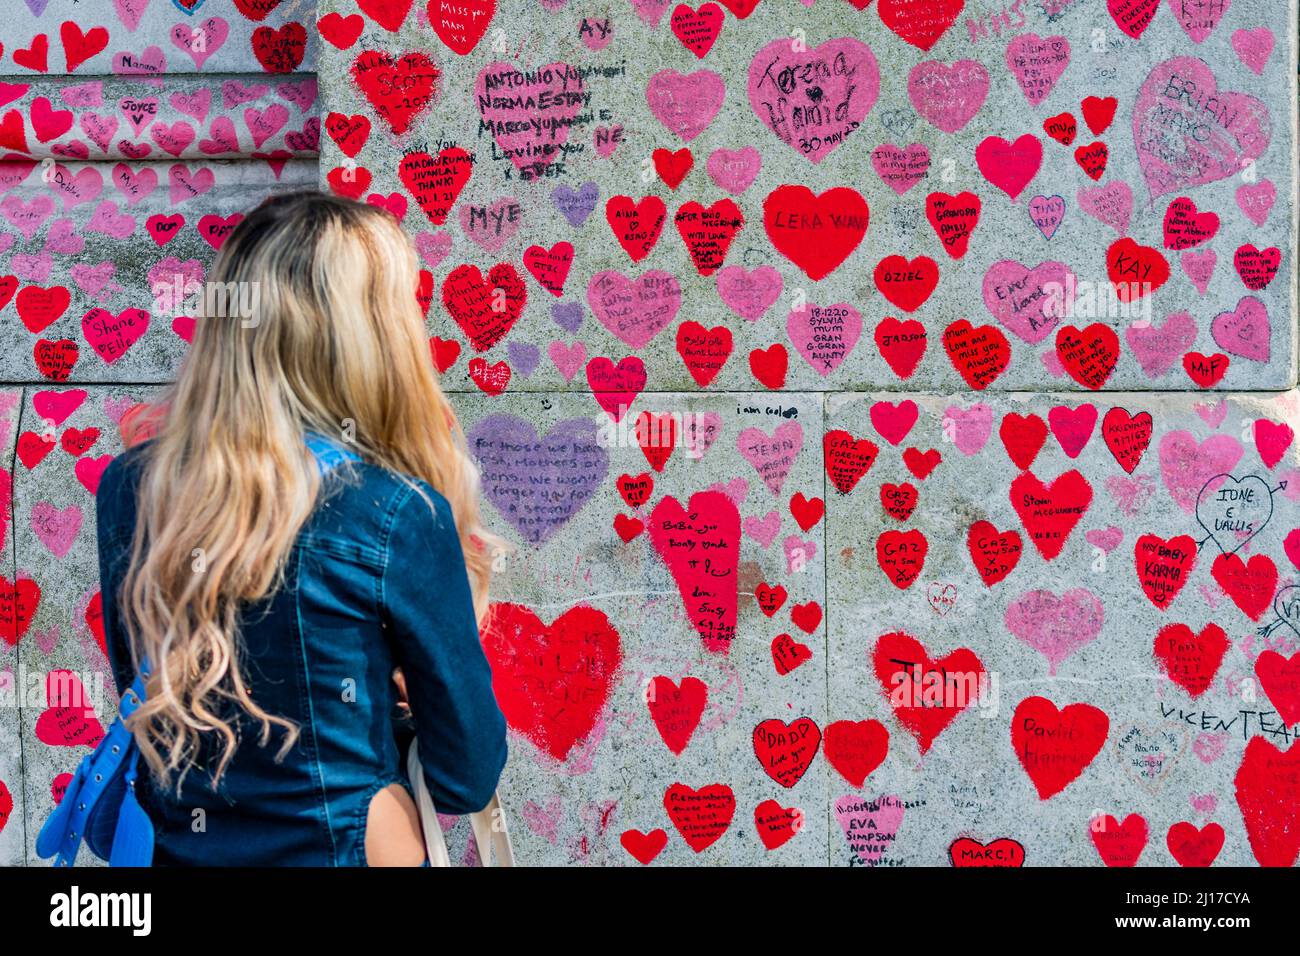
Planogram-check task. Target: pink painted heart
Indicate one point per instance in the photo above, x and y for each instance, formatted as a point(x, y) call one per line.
point(798, 552)
point(734, 169)
point(265, 123)
point(1254, 47)
point(201, 40)
point(1029, 302)
point(1212, 413)
point(772, 456)
point(57, 406)
point(109, 221)
point(1255, 200)
point(530, 114)
point(901, 168)
point(1047, 213)
point(737, 489)
point(56, 527)
point(1054, 626)
point(764, 530)
point(493, 225)
point(650, 11)
point(1198, 20)
point(970, 427)
point(1107, 539)
point(685, 103)
point(1158, 347)
point(112, 335)
point(76, 188)
point(698, 433)
point(27, 217)
point(1245, 331)
point(183, 184)
point(567, 358)
point(1037, 63)
point(1198, 264)
point(813, 98)
point(1187, 466)
point(748, 293)
point(1111, 204)
point(634, 310)
point(134, 186)
point(948, 96)
point(195, 104)
point(824, 335)
point(99, 129)
point(130, 12)
point(870, 826)
point(433, 247)
point(1180, 142)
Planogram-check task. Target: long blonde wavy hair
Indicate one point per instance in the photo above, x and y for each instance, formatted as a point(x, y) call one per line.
point(335, 344)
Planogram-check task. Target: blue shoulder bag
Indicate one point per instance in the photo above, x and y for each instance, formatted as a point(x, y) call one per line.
point(100, 805)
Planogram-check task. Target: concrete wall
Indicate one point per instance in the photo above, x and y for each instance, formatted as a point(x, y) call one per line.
point(890, 465)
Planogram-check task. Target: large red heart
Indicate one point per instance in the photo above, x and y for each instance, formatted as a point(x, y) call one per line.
point(1133, 16)
point(785, 751)
point(856, 748)
point(920, 22)
point(1001, 852)
point(461, 25)
point(926, 695)
point(400, 87)
point(1280, 680)
point(979, 353)
point(473, 302)
point(708, 232)
point(1191, 660)
point(636, 225)
point(953, 219)
point(1119, 844)
point(389, 14)
point(676, 709)
point(1050, 512)
point(435, 182)
point(1056, 746)
point(280, 50)
point(995, 553)
point(906, 285)
point(1090, 354)
point(552, 682)
point(816, 233)
point(1127, 436)
point(1192, 847)
point(1010, 166)
point(847, 458)
point(1164, 567)
point(1135, 270)
point(700, 816)
point(901, 344)
point(69, 719)
point(701, 547)
point(1268, 794)
point(1251, 584)
point(901, 555)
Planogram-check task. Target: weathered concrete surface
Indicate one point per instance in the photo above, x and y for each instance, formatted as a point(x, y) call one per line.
point(156, 38)
point(626, 89)
point(582, 773)
point(12, 812)
point(98, 299)
point(1077, 627)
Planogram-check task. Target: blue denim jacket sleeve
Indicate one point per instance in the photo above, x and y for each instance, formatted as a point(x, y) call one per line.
point(430, 618)
point(115, 524)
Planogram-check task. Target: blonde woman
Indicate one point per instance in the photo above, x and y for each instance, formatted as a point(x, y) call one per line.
point(293, 623)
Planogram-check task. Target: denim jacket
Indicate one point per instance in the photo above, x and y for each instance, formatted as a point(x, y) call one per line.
point(375, 580)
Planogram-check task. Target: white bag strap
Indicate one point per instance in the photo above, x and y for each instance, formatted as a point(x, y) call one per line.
point(488, 824)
